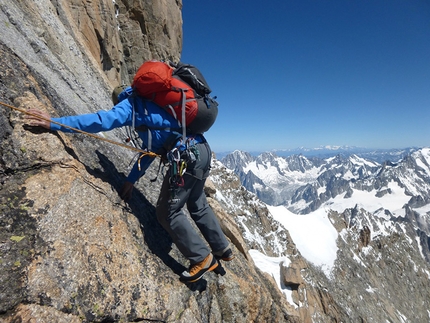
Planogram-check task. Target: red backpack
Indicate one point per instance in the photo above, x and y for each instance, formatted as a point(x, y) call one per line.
point(181, 90)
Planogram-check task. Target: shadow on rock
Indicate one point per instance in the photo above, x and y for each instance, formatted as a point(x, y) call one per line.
point(156, 238)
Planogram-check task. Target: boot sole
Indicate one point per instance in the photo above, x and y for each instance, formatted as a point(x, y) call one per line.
point(220, 269)
point(225, 259)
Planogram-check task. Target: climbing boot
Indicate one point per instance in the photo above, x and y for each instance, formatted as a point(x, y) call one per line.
point(226, 254)
point(196, 271)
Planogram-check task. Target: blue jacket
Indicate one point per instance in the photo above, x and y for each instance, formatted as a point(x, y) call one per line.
point(146, 114)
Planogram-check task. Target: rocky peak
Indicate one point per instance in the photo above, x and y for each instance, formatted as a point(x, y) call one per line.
point(237, 160)
point(301, 163)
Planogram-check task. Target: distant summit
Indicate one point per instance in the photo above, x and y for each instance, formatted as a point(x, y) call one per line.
point(378, 155)
point(374, 154)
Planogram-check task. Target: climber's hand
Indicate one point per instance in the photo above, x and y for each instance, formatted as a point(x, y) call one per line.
point(38, 118)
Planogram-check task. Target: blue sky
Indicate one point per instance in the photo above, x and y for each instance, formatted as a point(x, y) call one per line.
point(291, 74)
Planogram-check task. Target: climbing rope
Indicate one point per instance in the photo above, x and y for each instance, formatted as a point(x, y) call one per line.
point(142, 152)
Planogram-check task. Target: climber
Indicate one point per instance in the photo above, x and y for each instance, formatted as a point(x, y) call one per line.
point(152, 123)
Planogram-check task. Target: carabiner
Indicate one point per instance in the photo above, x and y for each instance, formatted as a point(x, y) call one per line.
point(182, 168)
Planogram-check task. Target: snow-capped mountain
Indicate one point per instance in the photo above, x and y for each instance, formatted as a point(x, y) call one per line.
point(272, 178)
point(378, 155)
point(305, 184)
point(364, 228)
point(393, 191)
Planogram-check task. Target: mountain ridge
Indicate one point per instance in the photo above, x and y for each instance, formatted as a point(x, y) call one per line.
point(375, 154)
point(392, 191)
point(354, 248)
point(298, 170)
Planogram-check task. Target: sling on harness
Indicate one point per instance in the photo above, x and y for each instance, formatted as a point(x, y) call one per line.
point(178, 161)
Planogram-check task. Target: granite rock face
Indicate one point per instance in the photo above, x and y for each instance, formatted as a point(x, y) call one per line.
point(70, 249)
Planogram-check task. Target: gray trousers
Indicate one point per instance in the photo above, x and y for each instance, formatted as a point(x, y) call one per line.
point(173, 219)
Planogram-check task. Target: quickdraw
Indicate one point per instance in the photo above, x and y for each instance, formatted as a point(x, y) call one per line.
point(178, 161)
point(177, 169)
point(191, 152)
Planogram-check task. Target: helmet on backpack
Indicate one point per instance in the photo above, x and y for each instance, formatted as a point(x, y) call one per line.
point(116, 91)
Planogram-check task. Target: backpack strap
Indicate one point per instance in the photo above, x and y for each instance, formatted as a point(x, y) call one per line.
point(141, 128)
point(184, 123)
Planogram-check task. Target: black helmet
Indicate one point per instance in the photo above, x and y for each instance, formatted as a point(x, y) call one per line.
point(116, 91)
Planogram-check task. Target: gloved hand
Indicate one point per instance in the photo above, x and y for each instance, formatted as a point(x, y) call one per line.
point(126, 191)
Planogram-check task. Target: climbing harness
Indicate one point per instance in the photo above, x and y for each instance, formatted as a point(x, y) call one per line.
point(178, 159)
point(141, 151)
point(177, 169)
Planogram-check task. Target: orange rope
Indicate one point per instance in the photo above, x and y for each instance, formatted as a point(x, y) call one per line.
point(143, 152)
